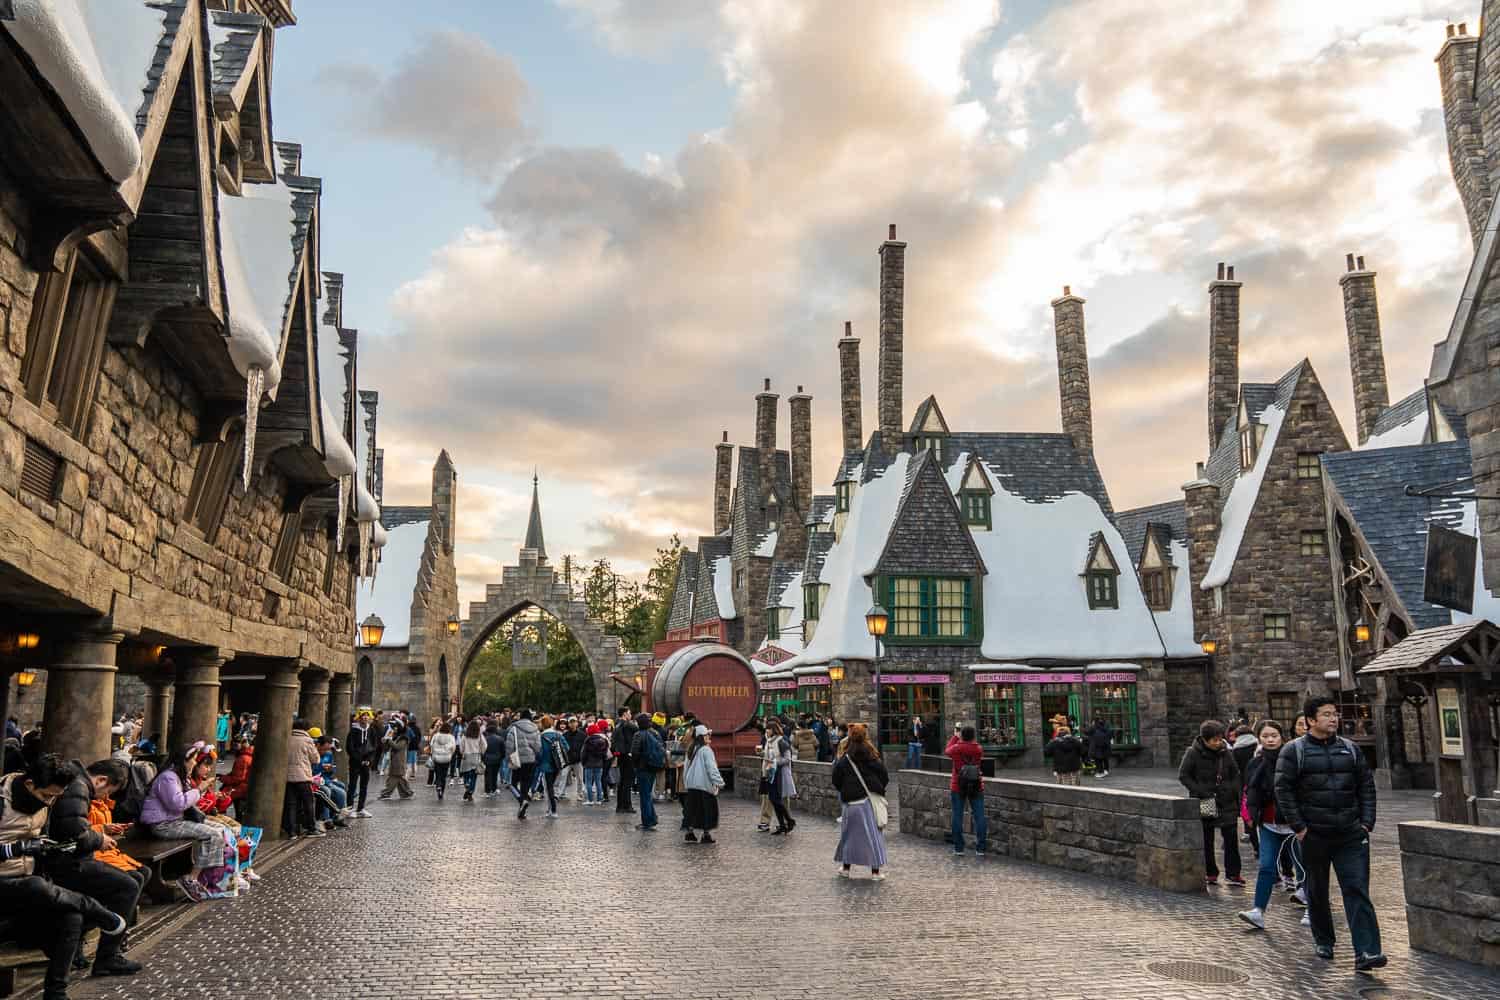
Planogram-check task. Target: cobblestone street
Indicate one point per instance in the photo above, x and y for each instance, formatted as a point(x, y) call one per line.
point(460, 900)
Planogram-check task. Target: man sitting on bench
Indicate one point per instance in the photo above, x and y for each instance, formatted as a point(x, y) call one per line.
point(55, 917)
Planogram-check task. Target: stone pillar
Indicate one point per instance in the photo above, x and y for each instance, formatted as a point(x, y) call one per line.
point(1073, 371)
point(158, 709)
point(273, 741)
point(765, 437)
point(1466, 152)
point(340, 703)
point(81, 696)
point(195, 707)
point(1223, 353)
point(853, 698)
point(850, 402)
point(892, 323)
point(1366, 356)
point(723, 483)
point(1201, 500)
point(802, 473)
point(314, 704)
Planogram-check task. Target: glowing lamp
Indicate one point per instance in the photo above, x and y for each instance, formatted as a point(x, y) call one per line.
point(27, 640)
point(1361, 630)
point(876, 620)
point(452, 626)
point(1208, 645)
point(836, 673)
point(26, 678)
point(371, 630)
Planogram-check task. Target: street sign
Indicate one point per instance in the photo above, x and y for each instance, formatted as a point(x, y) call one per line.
point(1449, 578)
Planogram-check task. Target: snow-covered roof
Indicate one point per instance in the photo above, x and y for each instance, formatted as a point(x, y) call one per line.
point(1235, 515)
point(366, 510)
point(257, 230)
point(96, 54)
point(788, 596)
point(390, 593)
point(338, 457)
point(1176, 623)
point(723, 574)
point(767, 546)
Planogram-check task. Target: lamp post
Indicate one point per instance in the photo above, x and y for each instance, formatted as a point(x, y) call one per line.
point(371, 630)
point(877, 619)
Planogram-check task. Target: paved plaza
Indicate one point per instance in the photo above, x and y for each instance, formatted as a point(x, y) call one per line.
point(461, 901)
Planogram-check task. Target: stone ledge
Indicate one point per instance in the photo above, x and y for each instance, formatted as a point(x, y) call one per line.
point(1450, 840)
point(1447, 933)
point(30, 421)
point(1168, 807)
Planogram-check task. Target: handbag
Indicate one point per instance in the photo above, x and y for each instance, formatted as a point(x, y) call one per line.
point(1208, 808)
point(877, 802)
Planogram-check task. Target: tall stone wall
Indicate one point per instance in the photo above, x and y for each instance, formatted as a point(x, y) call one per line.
point(1451, 879)
point(1456, 65)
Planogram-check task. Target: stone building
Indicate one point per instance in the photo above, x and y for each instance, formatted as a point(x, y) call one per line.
point(179, 498)
point(414, 592)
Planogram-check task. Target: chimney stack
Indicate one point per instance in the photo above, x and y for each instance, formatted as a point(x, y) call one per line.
point(1467, 156)
point(765, 438)
point(802, 474)
point(723, 478)
point(1223, 353)
point(1366, 355)
point(1073, 371)
point(892, 308)
point(849, 397)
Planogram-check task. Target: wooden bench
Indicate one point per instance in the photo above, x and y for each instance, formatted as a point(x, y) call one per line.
point(14, 958)
point(165, 861)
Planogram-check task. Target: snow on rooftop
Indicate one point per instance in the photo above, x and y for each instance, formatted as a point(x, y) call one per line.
point(338, 457)
point(790, 638)
point(723, 587)
point(1176, 624)
point(1236, 512)
point(1486, 604)
point(366, 510)
point(1414, 431)
point(96, 54)
point(389, 594)
point(256, 230)
point(767, 546)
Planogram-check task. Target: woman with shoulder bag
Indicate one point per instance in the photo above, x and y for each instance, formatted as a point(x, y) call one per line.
point(777, 767)
point(861, 778)
point(471, 748)
point(701, 782)
point(1209, 774)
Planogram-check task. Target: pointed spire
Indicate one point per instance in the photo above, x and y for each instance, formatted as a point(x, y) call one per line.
point(534, 538)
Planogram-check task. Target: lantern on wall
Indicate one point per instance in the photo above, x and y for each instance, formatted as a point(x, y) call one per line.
point(1208, 645)
point(1361, 630)
point(27, 640)
point(453, 625)
point(835, 672)
point(371, 630)
point(25, 678)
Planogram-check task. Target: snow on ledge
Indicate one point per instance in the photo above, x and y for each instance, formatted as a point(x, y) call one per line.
point(366, 510)
point(1236, 513)
point(257, 230)
point(723, 587)
point(96, 55)
point(338, 457)
point(1414, 431)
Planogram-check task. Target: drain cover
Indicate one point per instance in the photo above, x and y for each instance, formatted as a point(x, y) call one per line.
point(1197, 972)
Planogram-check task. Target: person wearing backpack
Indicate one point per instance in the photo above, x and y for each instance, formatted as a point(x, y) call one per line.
point(966, 789)
point(1067, 756)
point(1260, 804)
point(650, 756)
point(552, 762)
point(1325, 791)
point(523, 743)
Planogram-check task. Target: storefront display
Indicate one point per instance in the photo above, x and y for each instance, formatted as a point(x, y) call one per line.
point(904, 696)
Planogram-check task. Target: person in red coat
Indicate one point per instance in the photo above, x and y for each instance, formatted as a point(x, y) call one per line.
point(967, 790)
point(236, 784)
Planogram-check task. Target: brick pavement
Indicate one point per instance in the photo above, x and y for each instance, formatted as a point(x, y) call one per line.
point(456, 900)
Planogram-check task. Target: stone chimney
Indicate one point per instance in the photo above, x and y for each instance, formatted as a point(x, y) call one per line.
point(1073, 370)
point(1467, 154)
point(802, 474)
point(765, 437)
point(892, 308)
point(1223, 352)
point(1366, 357)
point(1201, 501)
point(723, 478)
point(849, 398)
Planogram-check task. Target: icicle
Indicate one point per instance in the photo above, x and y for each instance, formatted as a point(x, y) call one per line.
point(343, 512)
point(255, 381)
point(364, 548)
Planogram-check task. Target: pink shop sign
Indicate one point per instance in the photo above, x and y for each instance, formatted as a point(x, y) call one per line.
point(1028, 678)
point(913, 678)
point(778, 685)
point(1119, 678)
point(814, 680)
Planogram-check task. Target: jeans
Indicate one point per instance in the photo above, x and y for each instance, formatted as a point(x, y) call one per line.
point(1350, 857)
point(470, 779)
point(593, 784)
point(411, 761)
point(491, 778)
point(521, 787)
point(335, 791)
point(644, 782)
point(1231, 838)
point(1270, 854)
point(913, 755)
point(981, 824)
point(438, 772)
point(505, 770)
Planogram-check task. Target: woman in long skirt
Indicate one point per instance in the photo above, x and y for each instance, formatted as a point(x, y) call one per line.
point(701, 782)
point(858, 774)
point(776, 767)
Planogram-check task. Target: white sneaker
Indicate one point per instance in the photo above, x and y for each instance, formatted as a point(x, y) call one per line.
point(844, 872)
point(1306, 920)
point(1103, 774)
point(1254, 917)
point(364, 814)
point(1300, 896)
point(878, 877)
point(250, 874)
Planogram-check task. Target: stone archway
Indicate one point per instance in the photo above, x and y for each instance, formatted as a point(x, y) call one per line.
point(534, 582)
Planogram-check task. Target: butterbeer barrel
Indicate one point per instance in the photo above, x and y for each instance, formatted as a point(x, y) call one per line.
point(713, 682)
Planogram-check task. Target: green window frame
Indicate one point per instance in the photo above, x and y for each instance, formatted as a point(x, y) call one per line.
point(810, 609)
point(815, 699)
point(899, 702)
point(999, 713)
point(933, 609)
point(773, 623)
point(976, 507)
point(1104, 590)
point(1116, 704)
point(842, 492)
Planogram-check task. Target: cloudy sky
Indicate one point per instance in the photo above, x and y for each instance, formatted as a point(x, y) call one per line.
point(577, 235)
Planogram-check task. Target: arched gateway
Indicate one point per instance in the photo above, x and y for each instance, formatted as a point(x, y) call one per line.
point(534, 583)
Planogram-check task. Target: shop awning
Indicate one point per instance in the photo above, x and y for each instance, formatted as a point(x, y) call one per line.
point(1461, 648)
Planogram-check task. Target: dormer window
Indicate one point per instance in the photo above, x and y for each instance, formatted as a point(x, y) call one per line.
point(842, 492)
point(1250, 439)
point(976, 507)
point(931, 442)
point(810, 610)
point(1102, 576)
point(773, 623)
point(1156, 576)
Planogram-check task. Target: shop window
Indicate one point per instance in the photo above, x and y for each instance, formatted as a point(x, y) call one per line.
point(1277, 626)
point(900, 702)
point(218, 461)
point(976, 508)
point(65, 344)
point(1308, 466)
point(815, 699)
point(810, 610)
point(1314, 543)
point(842, 493)
point(1116, 705)
point(1158, 587)
point(931, 607)
point(1356, 717)
point(998, 712)
point(1285, 706)
point(773, 623)
point(285, 555)
point(1061, 706)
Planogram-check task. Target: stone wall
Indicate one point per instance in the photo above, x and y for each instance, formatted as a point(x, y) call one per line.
point(1154, 840)
point(1451, 876)
point(816, 795)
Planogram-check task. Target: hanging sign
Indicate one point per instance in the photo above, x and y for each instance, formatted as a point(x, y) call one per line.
point(1449, 579)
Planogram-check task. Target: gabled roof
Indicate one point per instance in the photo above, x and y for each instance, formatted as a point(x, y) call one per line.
point(750, 527)
point(928, 533)
point(1407, 422)
point(822, 510)
point(1371, 484)
point(818, 545)
point(928, 412)
point(713, 581)
point(1223, 465)
point(683, 589)
point(232, 38)
point(1166, 520)
point(1035, 467)
point(1475, 642)
point(975, 479)
point(1446, 351)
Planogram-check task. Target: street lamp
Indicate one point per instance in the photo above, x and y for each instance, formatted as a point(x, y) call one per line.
point(371, 630)
point(1361, 630)
point(452, 625)
point(836, 672)
point(877, 619)
point(1208, 645)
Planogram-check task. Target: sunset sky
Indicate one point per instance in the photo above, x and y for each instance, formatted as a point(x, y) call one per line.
point(576, 236)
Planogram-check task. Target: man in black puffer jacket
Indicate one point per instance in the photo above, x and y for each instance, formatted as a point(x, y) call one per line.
point(68, 822)
point(1325, 791)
